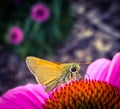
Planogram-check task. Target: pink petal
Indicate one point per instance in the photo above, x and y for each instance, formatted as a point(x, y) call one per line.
point(98, 70)
point(114, 71)
point(30, 96)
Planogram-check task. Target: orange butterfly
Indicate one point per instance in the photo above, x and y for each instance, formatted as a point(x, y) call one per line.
point(51, 74)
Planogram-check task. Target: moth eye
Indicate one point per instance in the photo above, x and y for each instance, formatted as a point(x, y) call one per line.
point(73, 69)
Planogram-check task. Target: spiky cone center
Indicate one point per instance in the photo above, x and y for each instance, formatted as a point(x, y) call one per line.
point(84, 95)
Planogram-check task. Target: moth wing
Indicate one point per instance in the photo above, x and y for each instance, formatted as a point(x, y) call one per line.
point(33, 63)
point(51, 85)
point(58, 63)
point(48, 76)
point(47, 73)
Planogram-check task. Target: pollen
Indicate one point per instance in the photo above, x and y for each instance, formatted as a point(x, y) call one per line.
point(89, 94)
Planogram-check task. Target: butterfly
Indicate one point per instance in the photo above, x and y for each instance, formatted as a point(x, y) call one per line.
point(52, 74)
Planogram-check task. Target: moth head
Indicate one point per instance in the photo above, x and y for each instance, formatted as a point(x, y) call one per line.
point(74, 68)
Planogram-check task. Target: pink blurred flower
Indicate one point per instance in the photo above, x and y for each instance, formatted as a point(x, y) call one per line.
point(40, 12)
point(15, 35)
point(33, 96)
point(105, 70)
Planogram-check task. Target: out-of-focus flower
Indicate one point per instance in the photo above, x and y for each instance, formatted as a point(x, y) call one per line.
point(40, 12)
point(15, 35)
point(85, 94)
point(105, 70)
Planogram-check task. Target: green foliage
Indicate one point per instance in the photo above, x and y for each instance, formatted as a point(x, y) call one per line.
point(39, 38)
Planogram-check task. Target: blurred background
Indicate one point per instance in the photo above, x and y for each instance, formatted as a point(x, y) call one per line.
point(55, 30)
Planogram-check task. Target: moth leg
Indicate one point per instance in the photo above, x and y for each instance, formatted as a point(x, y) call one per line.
point(78, 77)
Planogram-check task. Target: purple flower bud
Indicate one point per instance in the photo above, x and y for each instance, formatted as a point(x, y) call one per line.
point(40, 12)
point(15, 35)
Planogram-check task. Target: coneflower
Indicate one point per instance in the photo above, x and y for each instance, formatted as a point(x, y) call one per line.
point(84, 95)
point(99, 90)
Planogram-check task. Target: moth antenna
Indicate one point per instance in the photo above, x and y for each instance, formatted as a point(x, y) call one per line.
point(84, 62)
